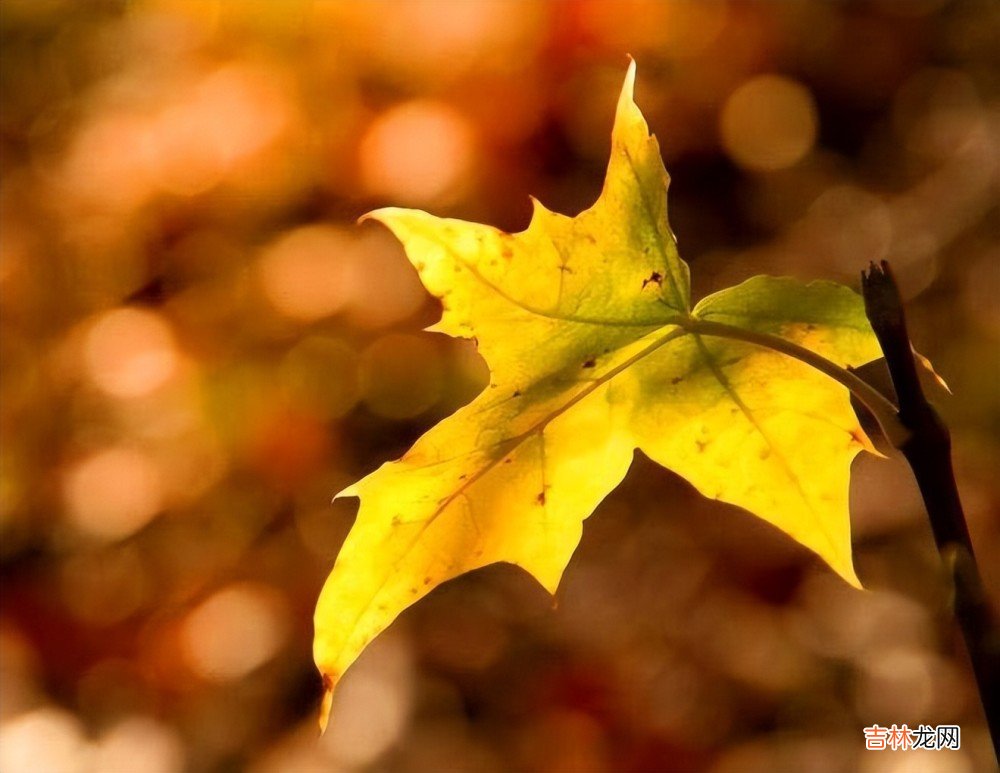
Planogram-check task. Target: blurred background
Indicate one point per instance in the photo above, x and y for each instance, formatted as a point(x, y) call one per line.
point(200, 346)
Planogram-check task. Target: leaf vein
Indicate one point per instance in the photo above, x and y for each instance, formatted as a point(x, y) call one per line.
point(682, 303)
point(782, 460)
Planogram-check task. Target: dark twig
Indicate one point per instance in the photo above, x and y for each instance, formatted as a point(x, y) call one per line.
point(927, 449)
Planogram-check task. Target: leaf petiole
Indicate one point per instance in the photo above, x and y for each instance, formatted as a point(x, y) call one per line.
point(881, 407)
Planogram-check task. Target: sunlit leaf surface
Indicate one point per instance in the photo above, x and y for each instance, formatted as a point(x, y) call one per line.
point(576, 319)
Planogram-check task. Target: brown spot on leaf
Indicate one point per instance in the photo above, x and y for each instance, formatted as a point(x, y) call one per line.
point(590, 363)
point(517, 393)
point(676, 380)
point(540, 498)
point(655, 278)
point(701, 444)
point(857, 436)
point(427, 581)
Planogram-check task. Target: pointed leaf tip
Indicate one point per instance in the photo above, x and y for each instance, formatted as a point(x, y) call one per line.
point(326, 705)
point(927, 365)
point(379, 215)
point(375, 214)
point(350, 491)
point(627, 97)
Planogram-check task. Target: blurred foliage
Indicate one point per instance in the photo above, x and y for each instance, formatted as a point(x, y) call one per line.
point(199, 347)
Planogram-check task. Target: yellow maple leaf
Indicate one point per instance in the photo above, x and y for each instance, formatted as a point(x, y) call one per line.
point(594, 351)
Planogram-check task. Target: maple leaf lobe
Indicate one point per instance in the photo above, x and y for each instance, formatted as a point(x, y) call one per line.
point(512, 480)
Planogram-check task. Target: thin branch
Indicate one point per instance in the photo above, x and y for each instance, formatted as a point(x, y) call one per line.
point(927, 449)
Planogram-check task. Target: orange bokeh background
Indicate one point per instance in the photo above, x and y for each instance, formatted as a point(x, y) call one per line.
point(200, 346)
